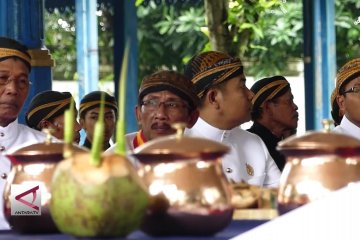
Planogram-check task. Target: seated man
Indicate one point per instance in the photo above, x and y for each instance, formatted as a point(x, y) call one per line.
point(47, 109)
point(165, 97)
point(14, 87)
point(348, 98)
point(89, 114)
point(225, 103)
point(336, 114)
point(274, 114)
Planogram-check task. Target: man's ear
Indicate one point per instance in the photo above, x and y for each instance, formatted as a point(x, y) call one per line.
point(192, 119)
point(82, 123)
point(44, 124)
point(266, 106)
point(138, 115)
point(340, 99)
point(211, 98)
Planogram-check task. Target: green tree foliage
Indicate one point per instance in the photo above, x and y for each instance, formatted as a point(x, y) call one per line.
point(169, 35)
point(347, 31)
point(267, 34)
point(60, 39)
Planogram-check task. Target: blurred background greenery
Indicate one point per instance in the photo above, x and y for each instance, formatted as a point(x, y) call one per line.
point(265, 34)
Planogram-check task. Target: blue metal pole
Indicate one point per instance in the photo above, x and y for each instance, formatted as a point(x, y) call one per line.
point(87, 46)
point(329, 53)
point(320, 59)
point(309, 81)
point(23, 21)
point(81, 46)
point(125, 16)
point(92, 47)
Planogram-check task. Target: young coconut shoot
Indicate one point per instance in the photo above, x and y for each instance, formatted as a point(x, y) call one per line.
point(120, 126)
point(98, 139)
point(69, 129)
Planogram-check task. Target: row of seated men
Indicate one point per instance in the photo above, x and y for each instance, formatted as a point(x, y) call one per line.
point(210, 97)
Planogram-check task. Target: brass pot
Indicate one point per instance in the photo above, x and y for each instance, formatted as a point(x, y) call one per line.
point(317, 163)
point(32, 169)
point(189, 194)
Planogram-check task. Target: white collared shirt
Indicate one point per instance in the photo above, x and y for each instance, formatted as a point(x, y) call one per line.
point(12, 137)
point(248, 159)
point(348, 128)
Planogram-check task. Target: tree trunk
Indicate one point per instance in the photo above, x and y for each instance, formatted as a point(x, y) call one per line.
point(220, 37)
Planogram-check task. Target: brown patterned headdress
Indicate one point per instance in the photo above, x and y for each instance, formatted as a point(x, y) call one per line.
point(348, 72)
point(171, 81)
point(267, 89)
point(10, 48)
point(211, 68)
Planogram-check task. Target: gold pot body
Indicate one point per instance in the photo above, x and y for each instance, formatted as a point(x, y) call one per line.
point(30, 175)
point(317, 164)
point(187, 197)
point(33, 166)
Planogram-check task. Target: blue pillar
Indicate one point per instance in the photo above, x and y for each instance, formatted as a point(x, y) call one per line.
point(23, 21)
point(87, 46)
point(319, 58)
point(125, 17)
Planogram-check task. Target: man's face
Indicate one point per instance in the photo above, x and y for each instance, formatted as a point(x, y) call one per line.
point(161, 109)
point(58, 124)
point(14, 88)
point(91, 117)
point(235, 102)
point(283, 111)
point(349, 102)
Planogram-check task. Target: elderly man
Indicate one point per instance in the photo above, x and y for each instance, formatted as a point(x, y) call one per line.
point(165, 97)
point(348, 98)
point(225, 103)
point(274, 114)
point(47, 109)
point(14, 87)
point(89, 114)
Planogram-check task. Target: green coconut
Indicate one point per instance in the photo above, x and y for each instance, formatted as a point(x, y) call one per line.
point(97, 201)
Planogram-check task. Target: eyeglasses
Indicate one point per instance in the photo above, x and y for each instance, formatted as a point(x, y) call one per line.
point(355, 89)
point(172, 106)
point(22, 83)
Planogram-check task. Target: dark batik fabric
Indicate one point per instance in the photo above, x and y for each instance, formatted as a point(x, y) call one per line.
point(271, 142)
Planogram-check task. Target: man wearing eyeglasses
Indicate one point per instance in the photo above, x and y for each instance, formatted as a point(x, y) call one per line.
point(348, 98)
point(165, 97)
point(14, 87)
point(274, 114)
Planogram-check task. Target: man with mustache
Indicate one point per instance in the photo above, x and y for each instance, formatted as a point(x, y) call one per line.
point(15, 67)
point(89, 114)
point(165, 97)
point(274, 114)
point(47, 110)
point(225, 103)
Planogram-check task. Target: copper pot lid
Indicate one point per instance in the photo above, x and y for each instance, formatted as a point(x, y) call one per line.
point(320, 143)
point(178, 147)
point(49, 150)
point(45, 148)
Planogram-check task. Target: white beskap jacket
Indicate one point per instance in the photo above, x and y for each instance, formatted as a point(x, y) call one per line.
point(13, 137)
point(348, 128)
point(248, 159)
